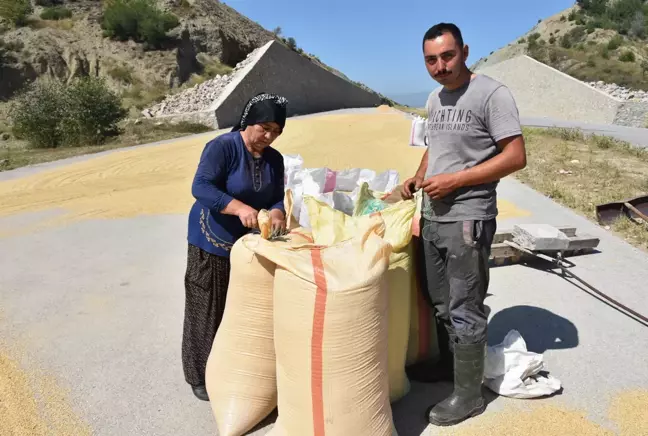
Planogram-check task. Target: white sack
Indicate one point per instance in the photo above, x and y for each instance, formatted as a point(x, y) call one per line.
point(417, 133)
point(338, 189)
point(512, 371)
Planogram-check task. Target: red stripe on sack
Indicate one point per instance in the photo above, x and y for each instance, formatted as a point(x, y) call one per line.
point(317, 342)
point(416, 225)
point(303, 235)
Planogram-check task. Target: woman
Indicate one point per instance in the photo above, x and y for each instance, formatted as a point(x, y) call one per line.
point(238, 175)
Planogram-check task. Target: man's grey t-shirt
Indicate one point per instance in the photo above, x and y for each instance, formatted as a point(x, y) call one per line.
point(462, 131)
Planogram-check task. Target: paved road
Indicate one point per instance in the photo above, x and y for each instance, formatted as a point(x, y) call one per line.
point(633, 135)
point(98, 305)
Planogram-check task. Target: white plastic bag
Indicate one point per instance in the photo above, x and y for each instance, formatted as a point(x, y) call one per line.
point(417, 133)
point(293, 164)
point(512, 371)
point(384, 182)
point(338, 189)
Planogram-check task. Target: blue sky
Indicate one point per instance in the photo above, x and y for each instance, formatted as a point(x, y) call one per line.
point(380, 45)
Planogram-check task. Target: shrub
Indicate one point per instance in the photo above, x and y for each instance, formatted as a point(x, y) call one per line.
point(93, 114)
point(577, 33)
point(123, 74)
point(552, 40)
point(627, 56)
point(37, 114)
point(47, 3)
point(605, 52)
point(553, 56)
point(56, 13)
point(565, 42)
point(139, 20)
point(644, 68)
point(50, 114)
point(16, 11)
point(615, 42)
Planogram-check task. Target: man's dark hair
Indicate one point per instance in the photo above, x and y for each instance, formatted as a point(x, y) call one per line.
point(439, 29)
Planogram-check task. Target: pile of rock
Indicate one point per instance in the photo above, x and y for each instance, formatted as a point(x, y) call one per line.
point(620, 92)
point(198, 98)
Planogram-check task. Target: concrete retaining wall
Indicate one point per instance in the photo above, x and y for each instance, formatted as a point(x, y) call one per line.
point(542, 91)
point(308, 87)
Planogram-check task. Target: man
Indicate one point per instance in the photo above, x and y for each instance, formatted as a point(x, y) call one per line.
point(474, 139)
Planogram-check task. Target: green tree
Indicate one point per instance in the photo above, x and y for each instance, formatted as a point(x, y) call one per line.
point(292, 43)
point(93, 113)
point(37, 114)
point(16, 11)
point(50, 114)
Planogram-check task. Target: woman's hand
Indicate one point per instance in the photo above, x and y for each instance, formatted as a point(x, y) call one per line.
point(248, 216)
point(278, 220)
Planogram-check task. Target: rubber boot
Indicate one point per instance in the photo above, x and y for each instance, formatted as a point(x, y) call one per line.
point(467, 399)
point(431, 371)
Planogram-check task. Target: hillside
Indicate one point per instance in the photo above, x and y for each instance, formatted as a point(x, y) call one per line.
point(594, 41)
point(209, 39)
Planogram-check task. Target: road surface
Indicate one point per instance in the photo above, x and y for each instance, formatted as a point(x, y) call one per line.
point(95, 306)
point(633, 135)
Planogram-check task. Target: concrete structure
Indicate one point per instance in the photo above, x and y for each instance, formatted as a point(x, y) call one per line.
point(544, 92)
point(275, 68)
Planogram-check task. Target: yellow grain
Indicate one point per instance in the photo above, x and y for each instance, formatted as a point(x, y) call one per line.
point(33, 403)
point(628, 410)
point(545, 420)
point(157, 180)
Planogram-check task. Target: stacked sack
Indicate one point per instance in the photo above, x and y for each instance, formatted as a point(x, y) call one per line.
point(319, 322)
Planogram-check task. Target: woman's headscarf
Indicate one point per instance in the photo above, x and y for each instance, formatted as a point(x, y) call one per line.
point(263, 108)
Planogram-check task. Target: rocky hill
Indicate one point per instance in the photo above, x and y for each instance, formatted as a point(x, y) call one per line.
point(603, 42)
point(210, 38)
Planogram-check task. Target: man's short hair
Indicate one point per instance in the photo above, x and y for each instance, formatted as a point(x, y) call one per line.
point(441, 28)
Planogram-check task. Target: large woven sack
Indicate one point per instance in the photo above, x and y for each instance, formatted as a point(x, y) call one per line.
point(422, 343)
point(241, 369)
point(330, 226)
point(330, 329)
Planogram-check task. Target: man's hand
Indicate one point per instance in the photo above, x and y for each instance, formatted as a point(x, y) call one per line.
point(410, 186)
point(439, 186)
point(278, 220)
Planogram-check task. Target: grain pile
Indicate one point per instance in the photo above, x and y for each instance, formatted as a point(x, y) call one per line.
point(157, 180)
point(626, 414)
point(32, 404)
point(628, 410)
